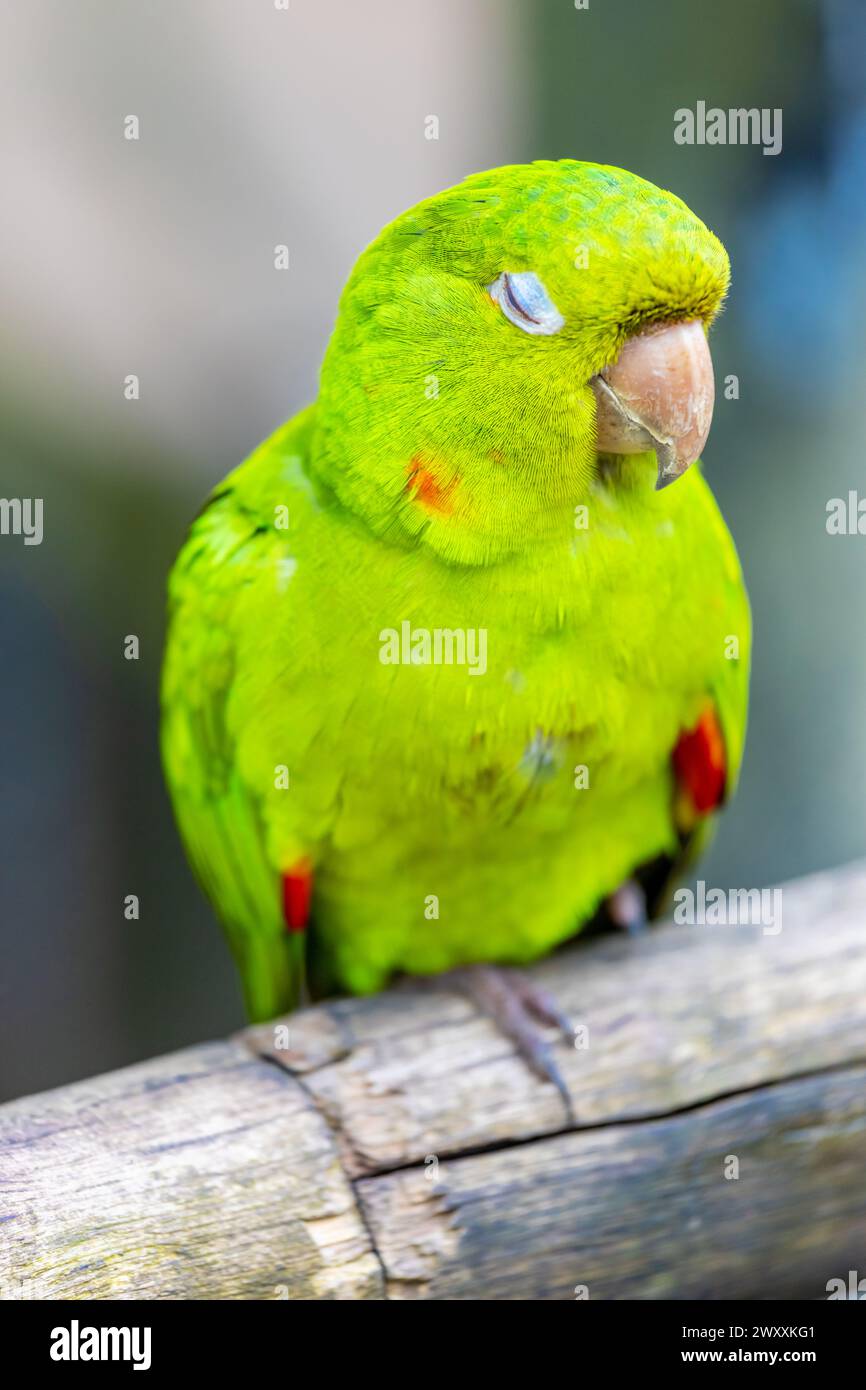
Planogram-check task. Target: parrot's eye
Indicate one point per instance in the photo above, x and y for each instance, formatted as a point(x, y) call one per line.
point(524, 300)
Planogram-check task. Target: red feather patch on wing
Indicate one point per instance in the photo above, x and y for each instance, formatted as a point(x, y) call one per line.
point(297, 893)
point(699, 763)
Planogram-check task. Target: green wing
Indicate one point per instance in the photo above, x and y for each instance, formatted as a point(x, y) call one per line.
point(220, 819)
point(728, 693)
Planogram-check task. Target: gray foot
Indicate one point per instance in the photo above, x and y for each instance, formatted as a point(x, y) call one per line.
point(517, 1005)
point(626, 908)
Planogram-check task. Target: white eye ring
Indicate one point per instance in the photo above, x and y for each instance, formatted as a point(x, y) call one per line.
point(524, 301)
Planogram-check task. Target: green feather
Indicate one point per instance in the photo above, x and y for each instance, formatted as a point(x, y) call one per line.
point(435, 482)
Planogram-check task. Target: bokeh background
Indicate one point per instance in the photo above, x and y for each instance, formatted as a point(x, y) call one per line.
point(260, 126)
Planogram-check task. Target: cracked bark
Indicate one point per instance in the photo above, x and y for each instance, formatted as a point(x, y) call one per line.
point(398, 1149)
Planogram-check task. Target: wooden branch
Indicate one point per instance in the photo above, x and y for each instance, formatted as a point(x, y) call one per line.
point(398, 1149)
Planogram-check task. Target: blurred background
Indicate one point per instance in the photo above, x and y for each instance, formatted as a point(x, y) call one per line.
point(155, 257)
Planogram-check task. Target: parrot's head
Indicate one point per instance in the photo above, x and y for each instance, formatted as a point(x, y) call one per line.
point(501, 343)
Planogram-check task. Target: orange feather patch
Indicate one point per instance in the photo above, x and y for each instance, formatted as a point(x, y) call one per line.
point(699, 763)
point(424, 489)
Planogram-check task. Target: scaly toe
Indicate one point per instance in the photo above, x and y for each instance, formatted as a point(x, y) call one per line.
point(517, 1005)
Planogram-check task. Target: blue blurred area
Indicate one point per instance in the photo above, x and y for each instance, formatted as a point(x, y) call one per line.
point(804, 270)
point(308, 128)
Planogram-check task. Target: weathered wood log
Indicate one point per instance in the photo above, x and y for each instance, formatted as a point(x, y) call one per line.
point(394, 1147)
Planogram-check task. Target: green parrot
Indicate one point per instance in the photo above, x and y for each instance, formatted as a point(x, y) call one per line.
point(450, 664)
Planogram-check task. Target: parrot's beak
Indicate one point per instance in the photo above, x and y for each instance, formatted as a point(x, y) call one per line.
point(659, 395)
